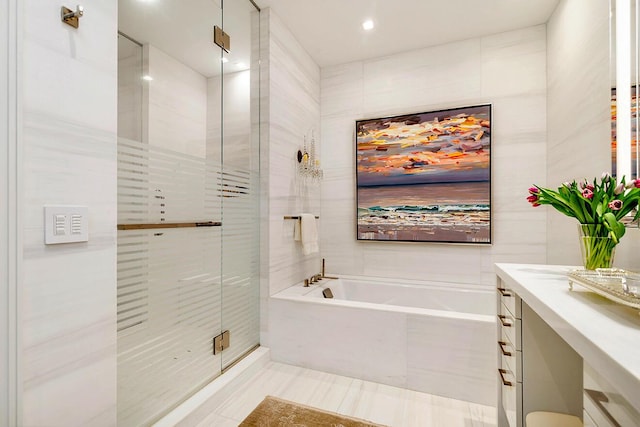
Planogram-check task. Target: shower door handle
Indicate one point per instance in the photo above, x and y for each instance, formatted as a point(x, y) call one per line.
point(169, 225)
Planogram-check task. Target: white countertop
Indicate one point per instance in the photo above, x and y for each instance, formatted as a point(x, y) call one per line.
point(605, 334)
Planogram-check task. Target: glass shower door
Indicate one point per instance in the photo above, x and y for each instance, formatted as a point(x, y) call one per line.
point(240, 180)
point(169, 205)
point(188, 199)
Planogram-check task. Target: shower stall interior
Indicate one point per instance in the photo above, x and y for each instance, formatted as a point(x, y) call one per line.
point(188, 199)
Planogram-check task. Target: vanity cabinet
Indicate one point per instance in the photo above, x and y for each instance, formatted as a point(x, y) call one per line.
point(562, 350)
point(537, 370)
point(510, 353)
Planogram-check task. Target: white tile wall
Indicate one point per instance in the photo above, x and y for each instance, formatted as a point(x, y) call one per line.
point(507, 70)
point(69, 107)
point(578, 116)
point(237, 120)
point(293, 108)
point(443, 75)
point(290, 107)
point(130, 120)
point(177, 104)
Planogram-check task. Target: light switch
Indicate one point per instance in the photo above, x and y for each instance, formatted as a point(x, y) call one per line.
point(76, 224)
point(58, 225)
point(66, 224)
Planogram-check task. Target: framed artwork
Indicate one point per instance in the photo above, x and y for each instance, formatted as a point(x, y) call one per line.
point(425, 177)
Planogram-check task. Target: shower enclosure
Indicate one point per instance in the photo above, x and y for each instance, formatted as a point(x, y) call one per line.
point(188, 171)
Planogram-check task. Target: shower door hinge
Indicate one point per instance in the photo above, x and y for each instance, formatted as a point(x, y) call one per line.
point(221, 342)
point(221, 38)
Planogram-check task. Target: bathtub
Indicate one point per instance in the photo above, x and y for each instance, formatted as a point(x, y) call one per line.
point(434, 337)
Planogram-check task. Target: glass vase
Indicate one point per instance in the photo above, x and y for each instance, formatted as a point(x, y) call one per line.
point(598, 249)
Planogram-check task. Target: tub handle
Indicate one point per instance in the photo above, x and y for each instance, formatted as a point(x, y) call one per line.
point(503, 319)
point(505, 292)
point(502, 345)
point(502, 374)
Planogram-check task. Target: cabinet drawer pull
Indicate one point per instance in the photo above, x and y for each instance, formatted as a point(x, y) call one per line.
point(502, 345)
point(503, 320)
point(505, 292)
point(598, 399)
point(505, 382)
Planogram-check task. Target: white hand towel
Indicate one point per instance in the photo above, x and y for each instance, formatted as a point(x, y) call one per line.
point(297, 236)
point(309, 234)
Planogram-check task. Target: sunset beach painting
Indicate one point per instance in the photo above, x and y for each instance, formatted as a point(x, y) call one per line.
point(425, 177)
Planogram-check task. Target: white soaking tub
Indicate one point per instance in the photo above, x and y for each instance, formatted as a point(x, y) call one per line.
point(435, 337)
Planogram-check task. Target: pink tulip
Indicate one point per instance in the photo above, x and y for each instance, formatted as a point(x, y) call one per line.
point(586, 185)
point(615, 205)
point(533, 199)
point(533, 190)
point(619, 189)
point(587, 193)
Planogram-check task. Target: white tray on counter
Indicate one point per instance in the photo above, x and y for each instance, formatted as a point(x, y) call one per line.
point(604, 282)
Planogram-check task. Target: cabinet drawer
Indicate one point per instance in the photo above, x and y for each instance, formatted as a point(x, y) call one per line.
point(511, 360)
point(511, 397)
point(510, 299)
point(605, 406)
point(510, 328)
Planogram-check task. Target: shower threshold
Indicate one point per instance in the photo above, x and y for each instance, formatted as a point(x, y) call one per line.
point(200, 405)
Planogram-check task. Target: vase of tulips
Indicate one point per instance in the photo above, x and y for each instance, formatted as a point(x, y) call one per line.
point(599, 207)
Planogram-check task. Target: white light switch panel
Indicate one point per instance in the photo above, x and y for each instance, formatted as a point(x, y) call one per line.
point(66, 224)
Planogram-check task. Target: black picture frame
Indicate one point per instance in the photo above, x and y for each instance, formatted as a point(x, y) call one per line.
point(425, 177)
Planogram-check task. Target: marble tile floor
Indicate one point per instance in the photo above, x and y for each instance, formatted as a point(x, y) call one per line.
point(378, 403)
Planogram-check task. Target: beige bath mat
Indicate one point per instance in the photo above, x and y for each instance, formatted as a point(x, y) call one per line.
point(275, 412)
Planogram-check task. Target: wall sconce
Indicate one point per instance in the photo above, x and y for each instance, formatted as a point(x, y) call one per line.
point(308, 163)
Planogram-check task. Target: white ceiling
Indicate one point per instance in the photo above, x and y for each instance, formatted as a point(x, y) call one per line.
point(331, 31)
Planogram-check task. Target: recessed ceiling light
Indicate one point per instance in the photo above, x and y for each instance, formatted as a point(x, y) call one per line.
point(224, 60)
point(367, 25)
point(147, 78)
